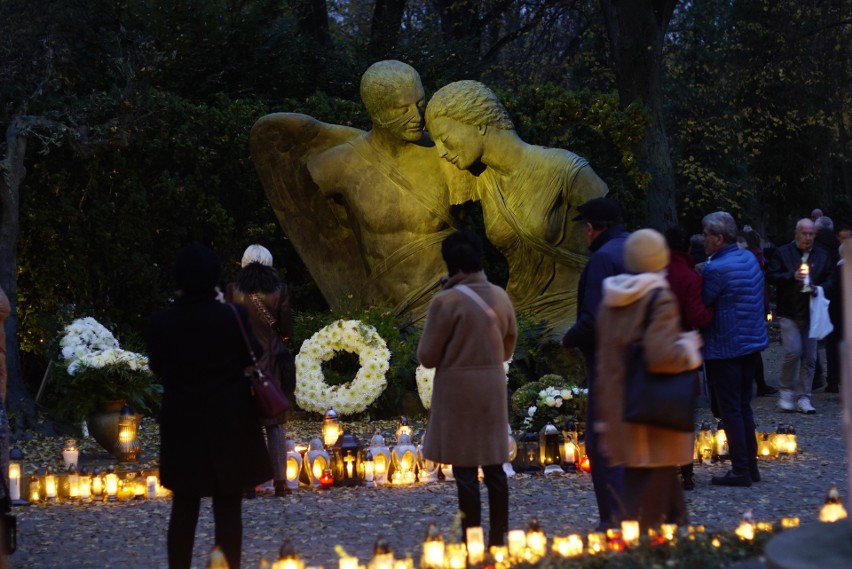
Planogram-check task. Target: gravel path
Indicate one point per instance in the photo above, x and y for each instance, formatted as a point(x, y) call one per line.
point(132, 534)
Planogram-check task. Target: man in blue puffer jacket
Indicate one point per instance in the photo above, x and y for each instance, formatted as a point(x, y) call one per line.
point(733, 286)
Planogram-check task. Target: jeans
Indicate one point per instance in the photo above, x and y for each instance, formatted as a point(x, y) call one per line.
point(228, 533)
point(732, 380)
point(275, 439)
point(607, 480)
point(797, 369)
point(467, 484)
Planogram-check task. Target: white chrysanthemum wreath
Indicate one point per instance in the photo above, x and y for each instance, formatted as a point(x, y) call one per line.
point(425, 377)
point(314, 394)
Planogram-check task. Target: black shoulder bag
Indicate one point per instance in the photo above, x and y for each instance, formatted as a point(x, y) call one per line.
point(657, 399)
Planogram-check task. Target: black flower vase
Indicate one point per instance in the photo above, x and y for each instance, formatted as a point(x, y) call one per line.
point(103, 424)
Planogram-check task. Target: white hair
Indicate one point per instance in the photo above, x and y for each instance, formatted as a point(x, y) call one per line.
point(257, 254)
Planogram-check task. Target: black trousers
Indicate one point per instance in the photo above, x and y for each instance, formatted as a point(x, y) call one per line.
point(228, 533)
point(467, 483)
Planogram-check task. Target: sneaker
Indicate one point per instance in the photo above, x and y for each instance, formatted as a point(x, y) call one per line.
point(785, 401)
point(804, 406)
point(688, 483)
point(832, 388)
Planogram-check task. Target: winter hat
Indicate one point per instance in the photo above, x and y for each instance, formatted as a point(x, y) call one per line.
point(257, 254)
point(646, 252)
point(196, 269)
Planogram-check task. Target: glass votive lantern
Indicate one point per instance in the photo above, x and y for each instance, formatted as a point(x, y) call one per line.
point(70, 453)
point(345, 459)
point(745, 530)
point(326, 479)
point(16, 471)
point(34, 490)
point(427, 469)
point(475, 545)
point(789, 522)
point(127, 447)
point(368, 467)
point(97, 483)
point(151, 484)
point(536, 541)
point(833, 509)
point(50, 486)
point(347, 562)
point(381, 457)
point(404, 458)
point(597, 542)
point(330, 427)
point(404, 428)
point(433, 548)
point(111, 484)
point(630, 532)
point(316, 461)
point(668, 531)
point(72, 478)
point(615, 540)
point(293, 464)
point(85, 484)
point(516, 540)
point(455, 556)
point(548, 448)
point(568, 546)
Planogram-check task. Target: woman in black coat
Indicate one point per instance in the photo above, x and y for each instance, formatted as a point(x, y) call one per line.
point(211, 443)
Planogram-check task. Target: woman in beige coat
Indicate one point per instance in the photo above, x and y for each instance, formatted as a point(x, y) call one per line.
point(469, 332)
point(652, 492)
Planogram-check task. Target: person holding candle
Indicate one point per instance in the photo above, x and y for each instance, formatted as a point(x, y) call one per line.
point(470, 331)
point(211, 443)
point(797, 269)
point(640, 306)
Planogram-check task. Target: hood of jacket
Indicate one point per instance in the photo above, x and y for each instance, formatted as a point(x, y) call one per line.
point(625, 289)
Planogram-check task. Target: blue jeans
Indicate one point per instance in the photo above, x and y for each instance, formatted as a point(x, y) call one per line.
point(797, 369)
point(732, 381)
point(608, 480)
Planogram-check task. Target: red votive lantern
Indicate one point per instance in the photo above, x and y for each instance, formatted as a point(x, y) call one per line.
point(326, 480)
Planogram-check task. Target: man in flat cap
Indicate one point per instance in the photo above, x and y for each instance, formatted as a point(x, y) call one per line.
point(606, 236)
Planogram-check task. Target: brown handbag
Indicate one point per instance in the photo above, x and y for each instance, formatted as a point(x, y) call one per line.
point(269, 400)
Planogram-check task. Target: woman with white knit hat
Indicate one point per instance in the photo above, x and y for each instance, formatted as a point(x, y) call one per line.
point(267, 301)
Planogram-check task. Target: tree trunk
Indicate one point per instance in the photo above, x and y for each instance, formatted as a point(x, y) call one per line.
point(14, 171)
point(384, 33)
point(637, 30)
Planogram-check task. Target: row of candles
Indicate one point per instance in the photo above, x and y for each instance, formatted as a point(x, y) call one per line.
point(712, 446)
point(339, 459)
point(530, 546)
point(83, 485)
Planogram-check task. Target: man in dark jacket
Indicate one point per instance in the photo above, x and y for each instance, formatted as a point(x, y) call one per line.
point(796, 269)
point(606, 236)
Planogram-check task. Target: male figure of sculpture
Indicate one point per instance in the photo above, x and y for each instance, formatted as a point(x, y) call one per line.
point(377, 203)
point(529, 195)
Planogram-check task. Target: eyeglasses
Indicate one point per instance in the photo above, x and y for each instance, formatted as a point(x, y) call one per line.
point(706, 233)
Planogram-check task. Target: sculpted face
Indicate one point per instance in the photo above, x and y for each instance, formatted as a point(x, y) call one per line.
point(456, 142)
point(402, 111)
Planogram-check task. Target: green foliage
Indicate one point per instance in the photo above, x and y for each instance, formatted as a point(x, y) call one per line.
point(537, 354)
point(78, 396)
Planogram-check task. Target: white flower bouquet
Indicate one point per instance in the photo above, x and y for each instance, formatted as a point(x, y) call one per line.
point(549, 400)
point(97, 369)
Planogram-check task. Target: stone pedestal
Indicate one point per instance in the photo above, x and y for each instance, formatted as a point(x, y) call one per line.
point(812, 546)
